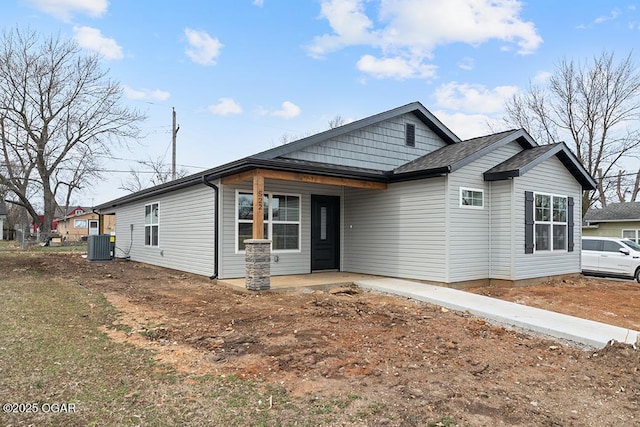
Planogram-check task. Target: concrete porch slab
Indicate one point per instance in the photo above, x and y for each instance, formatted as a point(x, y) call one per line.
point(321, 280)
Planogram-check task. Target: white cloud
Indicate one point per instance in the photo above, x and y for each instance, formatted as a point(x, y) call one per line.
point(412, 29)
point(145, 94)
point(349, 23)
point(203, 49)
point(225, 107)
point(397, 67)
point(542, 77)
point(466, 63)
point(473, 98)
point(289, 110)
point(469, 125)
point(612, 15)
point(65, 9)
point(92, 39)
point(258, 3)
point(422, 26)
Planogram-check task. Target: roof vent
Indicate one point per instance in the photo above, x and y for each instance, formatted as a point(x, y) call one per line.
point(410, 134)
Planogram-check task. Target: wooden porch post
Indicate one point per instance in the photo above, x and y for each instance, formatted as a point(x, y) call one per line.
point(258, 206)
point(257, 249)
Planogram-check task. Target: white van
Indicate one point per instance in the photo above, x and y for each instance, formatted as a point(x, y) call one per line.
point(607, 256)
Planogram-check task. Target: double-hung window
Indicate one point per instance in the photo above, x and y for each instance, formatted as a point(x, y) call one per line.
point(151, 224)
point(550, 222)
point(281, 220)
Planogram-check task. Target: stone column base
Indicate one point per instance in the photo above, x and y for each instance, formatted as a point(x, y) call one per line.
point(258, 264)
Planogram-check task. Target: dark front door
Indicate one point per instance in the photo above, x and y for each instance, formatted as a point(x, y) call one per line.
point(325, 232)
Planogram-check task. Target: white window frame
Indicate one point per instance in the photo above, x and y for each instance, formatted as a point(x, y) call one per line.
point(269, 220)
point(475, 190)
point(151, 225)
point(637, 233)
point(551, 223)
point(81, 222)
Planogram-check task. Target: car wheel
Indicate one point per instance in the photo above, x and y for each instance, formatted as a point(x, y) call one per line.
point(637, 275)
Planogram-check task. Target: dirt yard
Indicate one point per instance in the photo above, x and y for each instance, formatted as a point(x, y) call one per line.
point(406, 361)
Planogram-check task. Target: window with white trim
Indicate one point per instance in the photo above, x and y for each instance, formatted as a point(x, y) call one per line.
point(631, 235)
point(151, 224)
point(80, 223)
point(281, 220)
point(550, 222)
point(472, 198)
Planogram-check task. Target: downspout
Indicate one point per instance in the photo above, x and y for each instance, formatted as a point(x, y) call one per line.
point(100, 225)
point(215, 225)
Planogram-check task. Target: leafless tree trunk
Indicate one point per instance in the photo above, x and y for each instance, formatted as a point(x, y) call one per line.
point(627, 185)
point(58, 111)
point(594, 107)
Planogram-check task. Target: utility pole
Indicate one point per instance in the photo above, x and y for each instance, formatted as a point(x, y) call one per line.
point(174, 132)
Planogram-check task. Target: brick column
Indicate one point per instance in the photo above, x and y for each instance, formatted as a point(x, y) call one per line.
point(258, 264)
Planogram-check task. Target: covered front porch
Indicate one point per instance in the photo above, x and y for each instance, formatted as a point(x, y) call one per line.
point(287, 221)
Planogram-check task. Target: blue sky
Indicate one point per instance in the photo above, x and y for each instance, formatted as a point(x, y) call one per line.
point(242, 74)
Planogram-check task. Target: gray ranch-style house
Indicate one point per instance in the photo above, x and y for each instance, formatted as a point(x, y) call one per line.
point(396, 194)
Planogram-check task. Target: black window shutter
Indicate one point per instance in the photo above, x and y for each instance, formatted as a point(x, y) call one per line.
point(528, 222)
point(570, 224)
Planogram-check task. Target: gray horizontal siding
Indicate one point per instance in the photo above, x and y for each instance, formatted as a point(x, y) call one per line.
point(399, 232)
point(553, 178)
point(233, 263)
point(470, 248)
point(380, 146)
point(501, 230)
point(186, 231)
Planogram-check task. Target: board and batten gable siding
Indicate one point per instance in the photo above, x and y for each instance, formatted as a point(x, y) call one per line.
point(233, 263)
point(186, 231)
point(397, 232)
point(470, 234)
point(550, 177)
point(380, 146)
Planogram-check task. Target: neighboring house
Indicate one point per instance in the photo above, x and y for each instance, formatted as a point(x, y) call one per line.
point(80, 222)
point(620, 220)
point(54, 222)
point(3, 217)
point(395, 194)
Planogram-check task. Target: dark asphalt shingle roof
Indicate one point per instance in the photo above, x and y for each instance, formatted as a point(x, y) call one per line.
point(526, 160)
point(450, 155)
point(522, 159)
point(614, 212)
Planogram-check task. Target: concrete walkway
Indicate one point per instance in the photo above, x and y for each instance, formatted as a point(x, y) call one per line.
point(560, 326)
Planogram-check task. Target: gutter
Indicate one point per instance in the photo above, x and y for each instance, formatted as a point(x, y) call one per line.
point(216, 220)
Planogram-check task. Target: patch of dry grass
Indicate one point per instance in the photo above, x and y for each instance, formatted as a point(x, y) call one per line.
point(51, 352)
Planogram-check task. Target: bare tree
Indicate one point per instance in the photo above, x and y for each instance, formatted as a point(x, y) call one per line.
point(627, 184)
point(58, 112)
point(337, 121)
point(157, 172)
point(594, 106)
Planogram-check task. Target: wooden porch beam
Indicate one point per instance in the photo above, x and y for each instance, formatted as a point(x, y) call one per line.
point(303, 177)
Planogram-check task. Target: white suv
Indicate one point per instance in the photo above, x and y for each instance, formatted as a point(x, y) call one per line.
point(607, 256)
